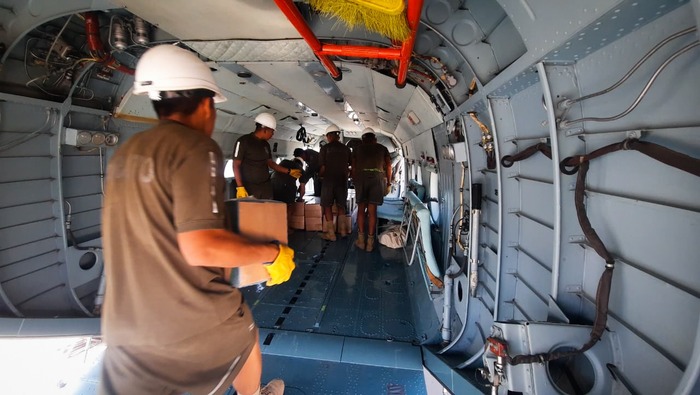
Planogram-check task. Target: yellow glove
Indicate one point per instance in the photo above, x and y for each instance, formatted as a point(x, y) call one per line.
point(241, 192)
point(296, 173)
point(281, 268)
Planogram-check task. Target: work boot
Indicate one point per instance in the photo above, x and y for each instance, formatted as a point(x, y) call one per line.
point(274, 387)
point(369, 247)
point(328, 231)
point(343, 227)
point(360, 242)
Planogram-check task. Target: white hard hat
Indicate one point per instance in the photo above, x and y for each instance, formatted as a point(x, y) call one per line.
point(170, 68)
point(368, 130)
point(267, 120)
point(332, 128)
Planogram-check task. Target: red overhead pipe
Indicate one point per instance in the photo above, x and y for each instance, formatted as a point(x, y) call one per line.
point(413, 15)
point(323, 51)
point(294, 16)
point(361, 51)
point(94, 44)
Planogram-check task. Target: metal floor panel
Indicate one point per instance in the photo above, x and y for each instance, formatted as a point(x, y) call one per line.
point(309, 376)
point(337, 289)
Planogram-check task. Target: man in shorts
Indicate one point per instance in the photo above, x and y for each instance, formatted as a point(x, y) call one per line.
point(171, 321)
point(334, 160)
point(252, 158)
point(371, 174)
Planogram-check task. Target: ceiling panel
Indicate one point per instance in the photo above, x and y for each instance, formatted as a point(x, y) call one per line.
point(233, 85)
point(295, 81)
point(391, 101)
point(215, 19)
point(358, 88)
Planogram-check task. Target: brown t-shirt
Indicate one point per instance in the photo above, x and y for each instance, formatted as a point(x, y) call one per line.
point(254, 153)
point(335, 157)
point(163, 181)
point(370, 157)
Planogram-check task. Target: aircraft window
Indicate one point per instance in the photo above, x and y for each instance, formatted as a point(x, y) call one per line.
point(228, 169)
point(434, 197)
point(419, 174)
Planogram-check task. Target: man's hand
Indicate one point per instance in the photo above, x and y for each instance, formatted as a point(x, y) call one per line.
point(296, 173)
point(281, 269)
point(388, 189)
point(241, 192)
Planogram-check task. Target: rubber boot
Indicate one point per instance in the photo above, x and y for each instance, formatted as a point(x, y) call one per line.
point(328, 231)
point(360, 242)
point(342, 227)
point(369, 247)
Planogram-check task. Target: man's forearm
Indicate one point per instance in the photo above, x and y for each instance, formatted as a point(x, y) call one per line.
point(237, 172)
point(222, 248)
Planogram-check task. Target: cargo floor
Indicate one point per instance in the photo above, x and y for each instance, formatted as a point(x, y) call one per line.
point(342, 324)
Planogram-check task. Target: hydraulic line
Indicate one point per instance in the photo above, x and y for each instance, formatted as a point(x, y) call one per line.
point(569, 102)
point(55, 40)
point(565, 123)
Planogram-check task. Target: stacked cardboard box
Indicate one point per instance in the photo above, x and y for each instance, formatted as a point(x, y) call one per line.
point(296, 215)
point(312, 217)
point(259, 220)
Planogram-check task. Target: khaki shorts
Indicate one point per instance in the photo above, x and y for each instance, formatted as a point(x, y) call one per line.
point(204, 364)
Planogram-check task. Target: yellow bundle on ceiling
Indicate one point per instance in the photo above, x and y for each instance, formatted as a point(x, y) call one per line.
point(385, 17)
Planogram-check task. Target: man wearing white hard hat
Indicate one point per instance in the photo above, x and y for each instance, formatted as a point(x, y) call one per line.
point(171, 321)
point(371, 174)
point(252, 157)
point(334, 168)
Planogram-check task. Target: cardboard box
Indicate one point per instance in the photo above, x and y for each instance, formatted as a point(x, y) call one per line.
point(313, 224)
point(296, 222)
point(297, 209)
point(313, 211)
point(259, 220)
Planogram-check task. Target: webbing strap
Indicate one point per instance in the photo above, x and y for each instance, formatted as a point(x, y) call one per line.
point(591, 234)
point(580, 164)
point(509, 160)
point(662, 154)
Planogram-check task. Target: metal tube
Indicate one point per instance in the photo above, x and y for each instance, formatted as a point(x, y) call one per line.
point(474, 252)
point(447, 308)
point(294, 16)
point(633, 69)
point(566, 124)
point(554, 139)
point(359, 51)
point(413, 15)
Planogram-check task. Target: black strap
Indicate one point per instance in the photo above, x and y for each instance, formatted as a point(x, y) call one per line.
point(603, 292)
point(676, 159)
point(509, 160)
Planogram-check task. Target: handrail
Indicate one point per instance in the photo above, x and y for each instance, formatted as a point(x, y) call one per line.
point(420, 210)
